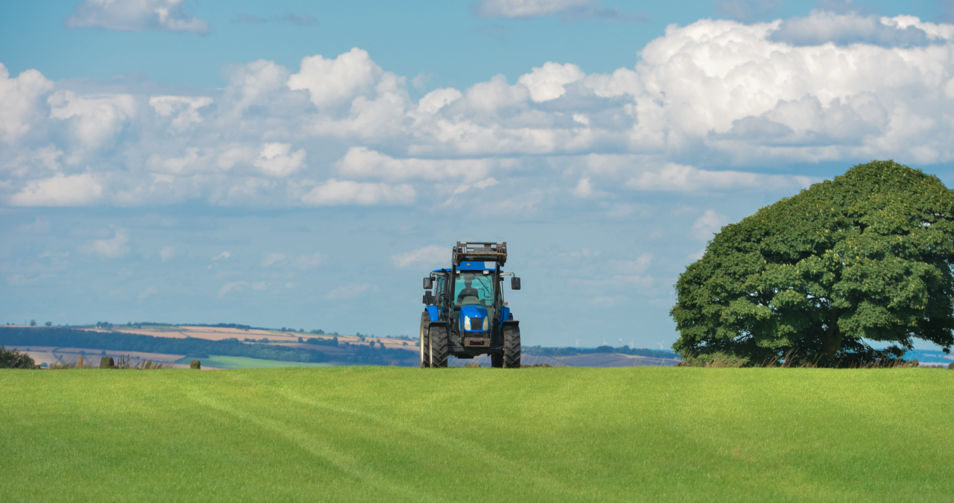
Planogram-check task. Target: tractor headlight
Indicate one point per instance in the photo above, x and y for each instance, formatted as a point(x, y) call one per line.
point(486, 326)
point(466, 323)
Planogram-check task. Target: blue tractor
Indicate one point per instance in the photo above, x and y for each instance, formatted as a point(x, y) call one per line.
point(466, 315)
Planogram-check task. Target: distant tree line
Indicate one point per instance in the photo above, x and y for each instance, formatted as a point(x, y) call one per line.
point(141, 324)
point(366, 355)
point(119, 341)
point(322, 341)
point(146, 324)
point(225, 325)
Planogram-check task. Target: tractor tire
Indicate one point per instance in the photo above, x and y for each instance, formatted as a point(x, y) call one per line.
point(511, 356)
point(496, 361)
point(439, 346)
point(422, 343)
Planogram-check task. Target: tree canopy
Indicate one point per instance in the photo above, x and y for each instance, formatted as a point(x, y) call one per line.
point(866, 256)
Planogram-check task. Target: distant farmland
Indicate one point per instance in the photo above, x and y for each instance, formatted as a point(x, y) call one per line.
point(542, 434)
point(240, 362)
point(172, 344)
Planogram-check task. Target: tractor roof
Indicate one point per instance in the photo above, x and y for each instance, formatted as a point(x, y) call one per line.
point(469, 266)
point(479, 251)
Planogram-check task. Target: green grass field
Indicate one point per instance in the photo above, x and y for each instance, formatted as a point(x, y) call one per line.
point(542, 434)
point(241, 362)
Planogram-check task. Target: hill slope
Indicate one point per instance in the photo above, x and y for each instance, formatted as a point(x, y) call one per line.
point(543, 434)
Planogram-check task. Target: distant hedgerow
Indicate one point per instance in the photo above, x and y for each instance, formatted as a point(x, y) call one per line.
point(13, 359)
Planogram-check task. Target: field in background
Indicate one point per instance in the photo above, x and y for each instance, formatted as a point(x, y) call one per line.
point(168, 344)
point(542, 434)
point(289, 338)
point(172, 343)
point(241, 362)
point(275, 336)
point(49, 355)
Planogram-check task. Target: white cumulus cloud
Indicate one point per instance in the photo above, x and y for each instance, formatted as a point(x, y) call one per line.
point(272, 258)
point(437, 99)
point(75, 190)
point(347, 292)
point(329, 81)
point(675, 177)
point(526, 8)
point(334, 192)
point(277, 159)
point(708, 224)
point(167, 252)
point(254, 83)
point(19, 99)
point(117, 246)
point(548, 82)
point(821, 27)
point(184, 108)
point(583, 188)
point(432, 254)
point(362, 162)
point(136, 15)
point(94, 119)
point(308, 262)
point(230, 286)
point(302, 262)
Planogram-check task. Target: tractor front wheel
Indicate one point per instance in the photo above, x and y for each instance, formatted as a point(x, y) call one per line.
point(496, 361)
point(423, 342)
point(511, 356)
point(438, 346)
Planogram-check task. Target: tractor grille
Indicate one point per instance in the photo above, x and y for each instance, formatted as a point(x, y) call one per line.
point(476, 324)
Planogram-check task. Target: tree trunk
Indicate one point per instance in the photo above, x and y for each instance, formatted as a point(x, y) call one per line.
point(832, 342)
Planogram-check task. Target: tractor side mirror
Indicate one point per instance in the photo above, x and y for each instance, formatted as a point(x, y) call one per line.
point(428, 283)
point(514, 283)
point(429, 298)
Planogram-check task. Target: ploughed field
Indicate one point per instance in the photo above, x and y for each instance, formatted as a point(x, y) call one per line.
point(477, 434)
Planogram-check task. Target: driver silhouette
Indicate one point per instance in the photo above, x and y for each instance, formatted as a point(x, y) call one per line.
point(468, 290)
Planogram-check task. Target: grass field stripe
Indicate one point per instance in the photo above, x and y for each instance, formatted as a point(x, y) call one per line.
point(546, 485)
point(340, 460)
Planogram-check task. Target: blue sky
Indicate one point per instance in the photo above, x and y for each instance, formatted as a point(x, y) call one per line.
point(304, 164)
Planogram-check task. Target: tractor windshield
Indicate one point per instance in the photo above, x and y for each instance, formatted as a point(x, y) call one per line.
point(474, 288)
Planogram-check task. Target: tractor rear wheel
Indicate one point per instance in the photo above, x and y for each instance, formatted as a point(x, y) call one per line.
point(439, 346)
point(422, 343)
point(511, 356)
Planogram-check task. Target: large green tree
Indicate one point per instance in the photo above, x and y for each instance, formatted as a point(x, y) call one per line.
point(866, 256)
